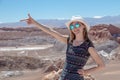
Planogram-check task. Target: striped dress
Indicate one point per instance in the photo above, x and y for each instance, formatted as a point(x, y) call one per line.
point(76, 58)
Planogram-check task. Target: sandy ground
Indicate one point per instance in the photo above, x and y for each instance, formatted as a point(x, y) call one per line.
point(110, 72)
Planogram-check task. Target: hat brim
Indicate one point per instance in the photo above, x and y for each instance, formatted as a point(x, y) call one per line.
point(81, 21)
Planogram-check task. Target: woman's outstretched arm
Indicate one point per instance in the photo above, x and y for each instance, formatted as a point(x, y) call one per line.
point(50, 31)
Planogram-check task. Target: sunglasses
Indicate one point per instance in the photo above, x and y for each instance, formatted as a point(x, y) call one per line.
point(76, 25)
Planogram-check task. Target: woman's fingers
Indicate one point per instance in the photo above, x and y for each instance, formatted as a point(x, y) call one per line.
point(23, 20)
point(81, 71)
point(29, 15)
point(29, 20)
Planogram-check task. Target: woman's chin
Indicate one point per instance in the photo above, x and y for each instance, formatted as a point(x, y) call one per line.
point(77, 32)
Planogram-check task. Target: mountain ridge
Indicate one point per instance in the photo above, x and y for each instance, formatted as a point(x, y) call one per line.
point(60, 23)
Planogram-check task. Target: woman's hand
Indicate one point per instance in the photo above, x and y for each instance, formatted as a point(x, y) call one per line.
point(82, 72)
point(29, 20)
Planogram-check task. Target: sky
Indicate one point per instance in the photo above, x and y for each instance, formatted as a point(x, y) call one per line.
point(15, 10)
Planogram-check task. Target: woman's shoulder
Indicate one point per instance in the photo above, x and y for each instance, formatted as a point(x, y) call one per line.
point(89, 43)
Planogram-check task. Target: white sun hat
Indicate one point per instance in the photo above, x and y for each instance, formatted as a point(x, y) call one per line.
point(78, 19)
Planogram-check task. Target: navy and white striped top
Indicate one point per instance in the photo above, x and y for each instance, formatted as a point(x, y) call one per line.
point(77, 56)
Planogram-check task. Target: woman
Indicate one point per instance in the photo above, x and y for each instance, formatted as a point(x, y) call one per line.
point(79, 48)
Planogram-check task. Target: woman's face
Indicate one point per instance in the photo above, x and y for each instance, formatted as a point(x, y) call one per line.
point(76, 27)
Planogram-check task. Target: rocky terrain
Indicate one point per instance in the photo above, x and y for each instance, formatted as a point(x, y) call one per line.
point(47, 63)
point(103, 32)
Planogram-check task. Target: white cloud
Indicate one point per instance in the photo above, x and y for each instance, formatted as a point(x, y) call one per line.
point(76, 17)
point(61, 18)
point(97, 17)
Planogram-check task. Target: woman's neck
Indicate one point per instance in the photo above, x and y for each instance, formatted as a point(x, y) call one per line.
point(79, 37)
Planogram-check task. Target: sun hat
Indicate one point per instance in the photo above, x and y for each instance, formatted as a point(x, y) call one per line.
point(78, 19)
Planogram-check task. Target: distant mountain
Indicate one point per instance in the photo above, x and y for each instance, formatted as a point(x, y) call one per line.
point(115, 20)
point(104, 20)
point(54, 23)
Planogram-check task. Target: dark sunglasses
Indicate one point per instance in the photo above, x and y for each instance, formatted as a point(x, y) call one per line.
point(76, 25)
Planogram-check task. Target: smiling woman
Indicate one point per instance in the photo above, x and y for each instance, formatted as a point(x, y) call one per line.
point(79, 48)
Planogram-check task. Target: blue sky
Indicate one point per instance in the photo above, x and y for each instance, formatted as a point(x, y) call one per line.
point(14, 10)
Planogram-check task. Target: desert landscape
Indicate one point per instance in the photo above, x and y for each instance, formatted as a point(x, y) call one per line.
point(27, 53)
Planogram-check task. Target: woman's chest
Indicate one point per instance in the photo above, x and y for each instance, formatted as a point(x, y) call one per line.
point(77, 51)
